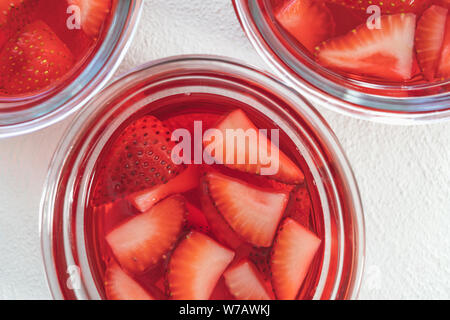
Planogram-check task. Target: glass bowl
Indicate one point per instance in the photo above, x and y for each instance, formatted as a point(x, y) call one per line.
point(65, 234)
point(23, 115)
point(413, 104)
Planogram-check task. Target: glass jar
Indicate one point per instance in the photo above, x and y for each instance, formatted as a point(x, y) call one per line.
point(65, 232)
point(21, 115)
point(395, 104)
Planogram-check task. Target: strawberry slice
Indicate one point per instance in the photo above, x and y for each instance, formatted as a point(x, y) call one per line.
point(33, 59)
point(138, 159)
point(187, 180)
point(245, 283)
point(93, 14)
point(217, 223)
point(196, 266)
point(443, 70)
point(120, 286)
point(429, 39)
point(293, 252)
point(244, 154)
point(385, 53)
point(309, 21)
point(387, 7)
point(140, 242)
point(252, 212)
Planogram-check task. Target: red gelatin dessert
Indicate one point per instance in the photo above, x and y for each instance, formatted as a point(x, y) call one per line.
point(387, 42)
point(195, 178)
point(190, 228)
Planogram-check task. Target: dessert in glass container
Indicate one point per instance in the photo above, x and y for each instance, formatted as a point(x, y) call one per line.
point(54, 55)
point(380, 60)
point(195, 178)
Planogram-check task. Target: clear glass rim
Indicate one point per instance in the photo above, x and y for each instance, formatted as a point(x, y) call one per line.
point(78, 128)
point(94, 77)
point(336, 97)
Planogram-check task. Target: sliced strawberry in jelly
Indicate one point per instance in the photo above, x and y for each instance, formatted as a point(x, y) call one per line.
point(139, 159)
point(309, 21)
point(142, 241)
point(93, 14)
point(443, 70)
point(196, 266)
point(385, 53)
point(218, 226)
point(430, 38)
point(185, 181)
point(252, 212)
point(115, 213)
point(244, 155)
point(245, 283)
point(293, 252)
point(121, 286)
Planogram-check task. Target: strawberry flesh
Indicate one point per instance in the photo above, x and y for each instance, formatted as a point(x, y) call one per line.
point(309, 21)
point(236, 121)
point(218, 226)
point(185, 181)
point(245, 283)
point(142, 241)
point(196, 266)
point(33, 59)
point(429, 39)
point(252, 212)
point(443, 70)
point(293, 253)
point(386, 53)
point(121, 286)
point(93, 14)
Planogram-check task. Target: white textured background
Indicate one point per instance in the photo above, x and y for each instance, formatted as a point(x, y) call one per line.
point(403, 172)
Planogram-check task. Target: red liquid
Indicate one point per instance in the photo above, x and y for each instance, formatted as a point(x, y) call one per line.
point(303, 206)
point(39, 52)
point(335, 34)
